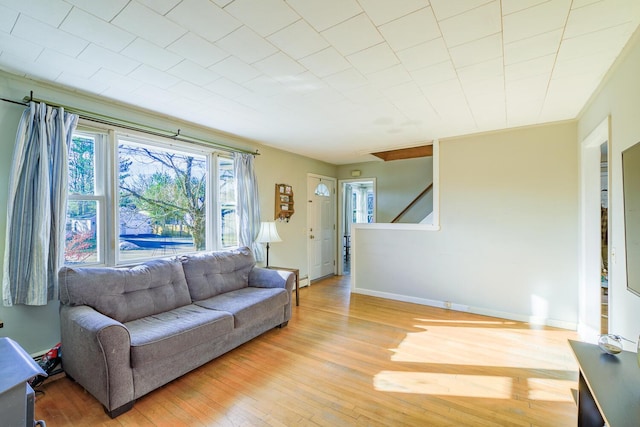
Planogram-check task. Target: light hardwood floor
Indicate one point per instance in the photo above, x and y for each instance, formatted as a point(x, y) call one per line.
point(358, 360)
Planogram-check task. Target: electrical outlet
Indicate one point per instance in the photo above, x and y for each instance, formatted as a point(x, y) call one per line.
point(447, 305)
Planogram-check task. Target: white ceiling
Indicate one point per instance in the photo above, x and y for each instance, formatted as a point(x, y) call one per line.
point(330, 79)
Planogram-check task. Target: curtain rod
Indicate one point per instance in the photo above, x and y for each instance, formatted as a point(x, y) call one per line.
point(125, 124)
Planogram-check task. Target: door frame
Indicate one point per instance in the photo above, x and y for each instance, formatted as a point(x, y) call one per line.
point(341, 224)
point(335, 228)
point(589, 286)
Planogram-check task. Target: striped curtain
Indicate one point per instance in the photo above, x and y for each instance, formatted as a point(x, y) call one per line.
point(36, 206)
point(248, 203)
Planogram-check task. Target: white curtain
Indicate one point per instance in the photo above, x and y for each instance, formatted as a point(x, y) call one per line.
point(36, 206)
point(248, 204)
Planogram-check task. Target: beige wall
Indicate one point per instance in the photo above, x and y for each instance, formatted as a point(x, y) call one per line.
point(37, 328)
point(398, 182)
point(508, 239)
point(619, 98)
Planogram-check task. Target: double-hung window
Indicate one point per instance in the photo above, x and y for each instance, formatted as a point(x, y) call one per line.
point(132, 198)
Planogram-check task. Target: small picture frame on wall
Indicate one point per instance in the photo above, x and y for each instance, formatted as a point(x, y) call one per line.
point(287, 189)
point(284, 199)
point(281, 188)
point(284, 207)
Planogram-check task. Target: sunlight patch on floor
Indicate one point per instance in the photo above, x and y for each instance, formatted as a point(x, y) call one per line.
point(475, 386)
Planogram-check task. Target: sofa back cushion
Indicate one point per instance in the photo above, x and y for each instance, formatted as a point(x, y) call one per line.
point(126, 294)
point(212, 273)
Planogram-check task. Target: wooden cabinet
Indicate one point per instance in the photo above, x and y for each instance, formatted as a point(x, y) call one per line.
point(284, 202)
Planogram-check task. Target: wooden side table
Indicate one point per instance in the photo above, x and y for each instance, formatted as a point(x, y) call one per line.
point(297, 273)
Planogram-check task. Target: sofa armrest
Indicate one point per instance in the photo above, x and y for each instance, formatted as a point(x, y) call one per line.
point(96, 354)
point(271, 278)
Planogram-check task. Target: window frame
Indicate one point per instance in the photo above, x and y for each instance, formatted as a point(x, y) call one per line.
point(107, 193)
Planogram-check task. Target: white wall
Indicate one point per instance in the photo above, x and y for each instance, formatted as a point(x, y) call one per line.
point(619, 98)
point(508, 239)
point(37, 328)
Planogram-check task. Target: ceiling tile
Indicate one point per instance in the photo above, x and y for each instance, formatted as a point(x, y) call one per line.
point(435, 74)
point(392, 76)
point(346, 80)
point(189, 90)
point(472, 24)
point(222, 3)
point(383, 11)
point(482, 71)
point(477, 51)
point(533, 67)
point(527, 90)
point(305, 83)
point(160, 6)
point(193, 73)
point(411, 30)
point(117, 83)
point(7, 18)
point(51, 12)
point(512, 6)
point(265, 17)
point(444, 9)
point(611, 40)
point(363, 95)
point(353, 35)
point(95, 30)
point(374, 59)
point(545, 17)
point(105, 10)
point(448, 100)
point(70, 79)
point(246, 45)
point(325, 62)
point(197, 49)
point(150, 54)
point(105, 58)
point(279, 66)
point(23, 49)
point(152, 76)
point(322, 14)
point(227, 88)
point(204, 18)
point(298, 40)
point(424, 54)
point(532, 47)
point(45, 35)
point(146, 23)
point(264, 86)
point(17, 65)
point(62, 62)
point(235, 70)
point(598, 16)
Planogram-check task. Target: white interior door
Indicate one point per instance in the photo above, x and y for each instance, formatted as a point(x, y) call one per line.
point(321, 230)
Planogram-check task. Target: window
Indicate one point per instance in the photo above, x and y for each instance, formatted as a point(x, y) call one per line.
point(86, 201)
point(159, 204)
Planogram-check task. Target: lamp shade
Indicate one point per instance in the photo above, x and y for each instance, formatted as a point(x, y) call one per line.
point(268, 233)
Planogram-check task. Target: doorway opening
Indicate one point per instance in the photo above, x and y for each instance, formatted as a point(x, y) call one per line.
point(604, 238)
point(594, 298)
point(357, 205)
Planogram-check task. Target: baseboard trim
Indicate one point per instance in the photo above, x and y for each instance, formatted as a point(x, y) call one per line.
point(448, 305)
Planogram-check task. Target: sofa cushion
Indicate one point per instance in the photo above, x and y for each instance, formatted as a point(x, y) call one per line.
point(166, 334)
point(126, 294)
point(211, 273)
point(248, 305)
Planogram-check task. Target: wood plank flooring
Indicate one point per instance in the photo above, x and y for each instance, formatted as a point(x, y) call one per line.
point(358, 360)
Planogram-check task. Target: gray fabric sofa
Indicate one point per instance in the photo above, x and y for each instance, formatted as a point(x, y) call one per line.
point(128, 331)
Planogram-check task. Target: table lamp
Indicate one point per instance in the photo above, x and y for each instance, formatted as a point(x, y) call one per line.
point(268, 234)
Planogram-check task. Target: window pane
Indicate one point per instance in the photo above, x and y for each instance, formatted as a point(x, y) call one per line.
point(227, 202)
point(162, 201)
point(82, 165)
point(80, 244)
